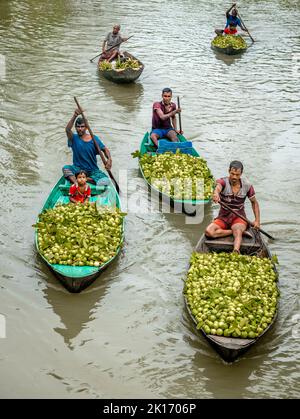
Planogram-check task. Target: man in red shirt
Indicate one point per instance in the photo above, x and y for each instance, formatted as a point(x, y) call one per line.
point(163, 118)
point(233, 190)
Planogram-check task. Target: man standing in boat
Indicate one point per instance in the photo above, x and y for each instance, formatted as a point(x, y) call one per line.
point(85, 153)
point(232, 21)
point(112, 40)
point(233, 190)
point(164, 123)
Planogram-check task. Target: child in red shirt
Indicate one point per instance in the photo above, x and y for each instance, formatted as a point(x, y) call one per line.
point(80, 192)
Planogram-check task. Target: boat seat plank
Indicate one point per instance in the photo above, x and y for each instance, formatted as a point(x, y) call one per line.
point(219, 243)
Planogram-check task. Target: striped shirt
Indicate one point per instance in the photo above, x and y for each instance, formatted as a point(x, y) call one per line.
point(235, 202)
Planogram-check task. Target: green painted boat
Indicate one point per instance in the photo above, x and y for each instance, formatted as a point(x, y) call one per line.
point(230, 348)
point(77, 278)
point(188, 206)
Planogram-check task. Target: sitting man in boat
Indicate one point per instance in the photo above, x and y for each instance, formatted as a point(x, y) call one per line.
point(85, 153)
point(111, 45)
point(233, 190)
point(231, 29)
point(164, 123)
point(231, 23)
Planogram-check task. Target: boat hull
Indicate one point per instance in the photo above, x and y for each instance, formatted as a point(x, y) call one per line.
point(228, 50)
point(230, 348)
point(187, 206)
point(77, 278)
point(128, 75)
point(74, 284)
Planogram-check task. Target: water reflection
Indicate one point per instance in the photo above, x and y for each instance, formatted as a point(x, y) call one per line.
point(227, 59)
point(240, 372)
point(218, 374)
point(191, 227)
point(217, 371)
point(128, 96)
point(43, 63)
point(74, 310)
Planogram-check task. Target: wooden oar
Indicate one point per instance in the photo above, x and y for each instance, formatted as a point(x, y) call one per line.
point(245, 26)
point(245, 219)
point(97, 146)
point(91, 60)
point(179, 116)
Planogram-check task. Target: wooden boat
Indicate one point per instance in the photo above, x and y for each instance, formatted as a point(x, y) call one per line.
point(128, 75)
point(229, 50)
point(230, 348)
point(188, 206)
point(76, 278)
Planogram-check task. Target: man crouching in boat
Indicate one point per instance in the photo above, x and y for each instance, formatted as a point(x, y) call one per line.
point(231, 23)
point(233, 190)
point(111, 45)
point(85, 153)
point(163, 118)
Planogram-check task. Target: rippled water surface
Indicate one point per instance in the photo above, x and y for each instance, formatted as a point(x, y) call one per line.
point(128, 335)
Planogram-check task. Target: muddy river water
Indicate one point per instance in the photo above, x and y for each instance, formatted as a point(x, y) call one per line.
point(128, 335)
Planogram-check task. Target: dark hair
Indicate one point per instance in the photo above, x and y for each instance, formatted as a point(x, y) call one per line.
point(167, 90)
point(80, 173)
point(237, 165)
point(79, 121)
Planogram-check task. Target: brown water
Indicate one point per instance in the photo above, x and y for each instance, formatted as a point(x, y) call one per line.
point(128, 335)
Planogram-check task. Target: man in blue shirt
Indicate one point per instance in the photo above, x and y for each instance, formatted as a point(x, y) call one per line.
point(232, 22)
point(232, 18)
point(85, 153)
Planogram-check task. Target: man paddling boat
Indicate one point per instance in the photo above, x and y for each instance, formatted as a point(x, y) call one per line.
point(85, 153)
point(233, 191)
point(232, 21)
point(110, 43)
point(164, 123)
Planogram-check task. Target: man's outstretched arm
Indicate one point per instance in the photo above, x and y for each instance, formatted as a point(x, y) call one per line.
point(71, 123)
point(229, 10)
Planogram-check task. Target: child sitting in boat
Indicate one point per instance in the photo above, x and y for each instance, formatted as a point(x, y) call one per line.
point(80, 191)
